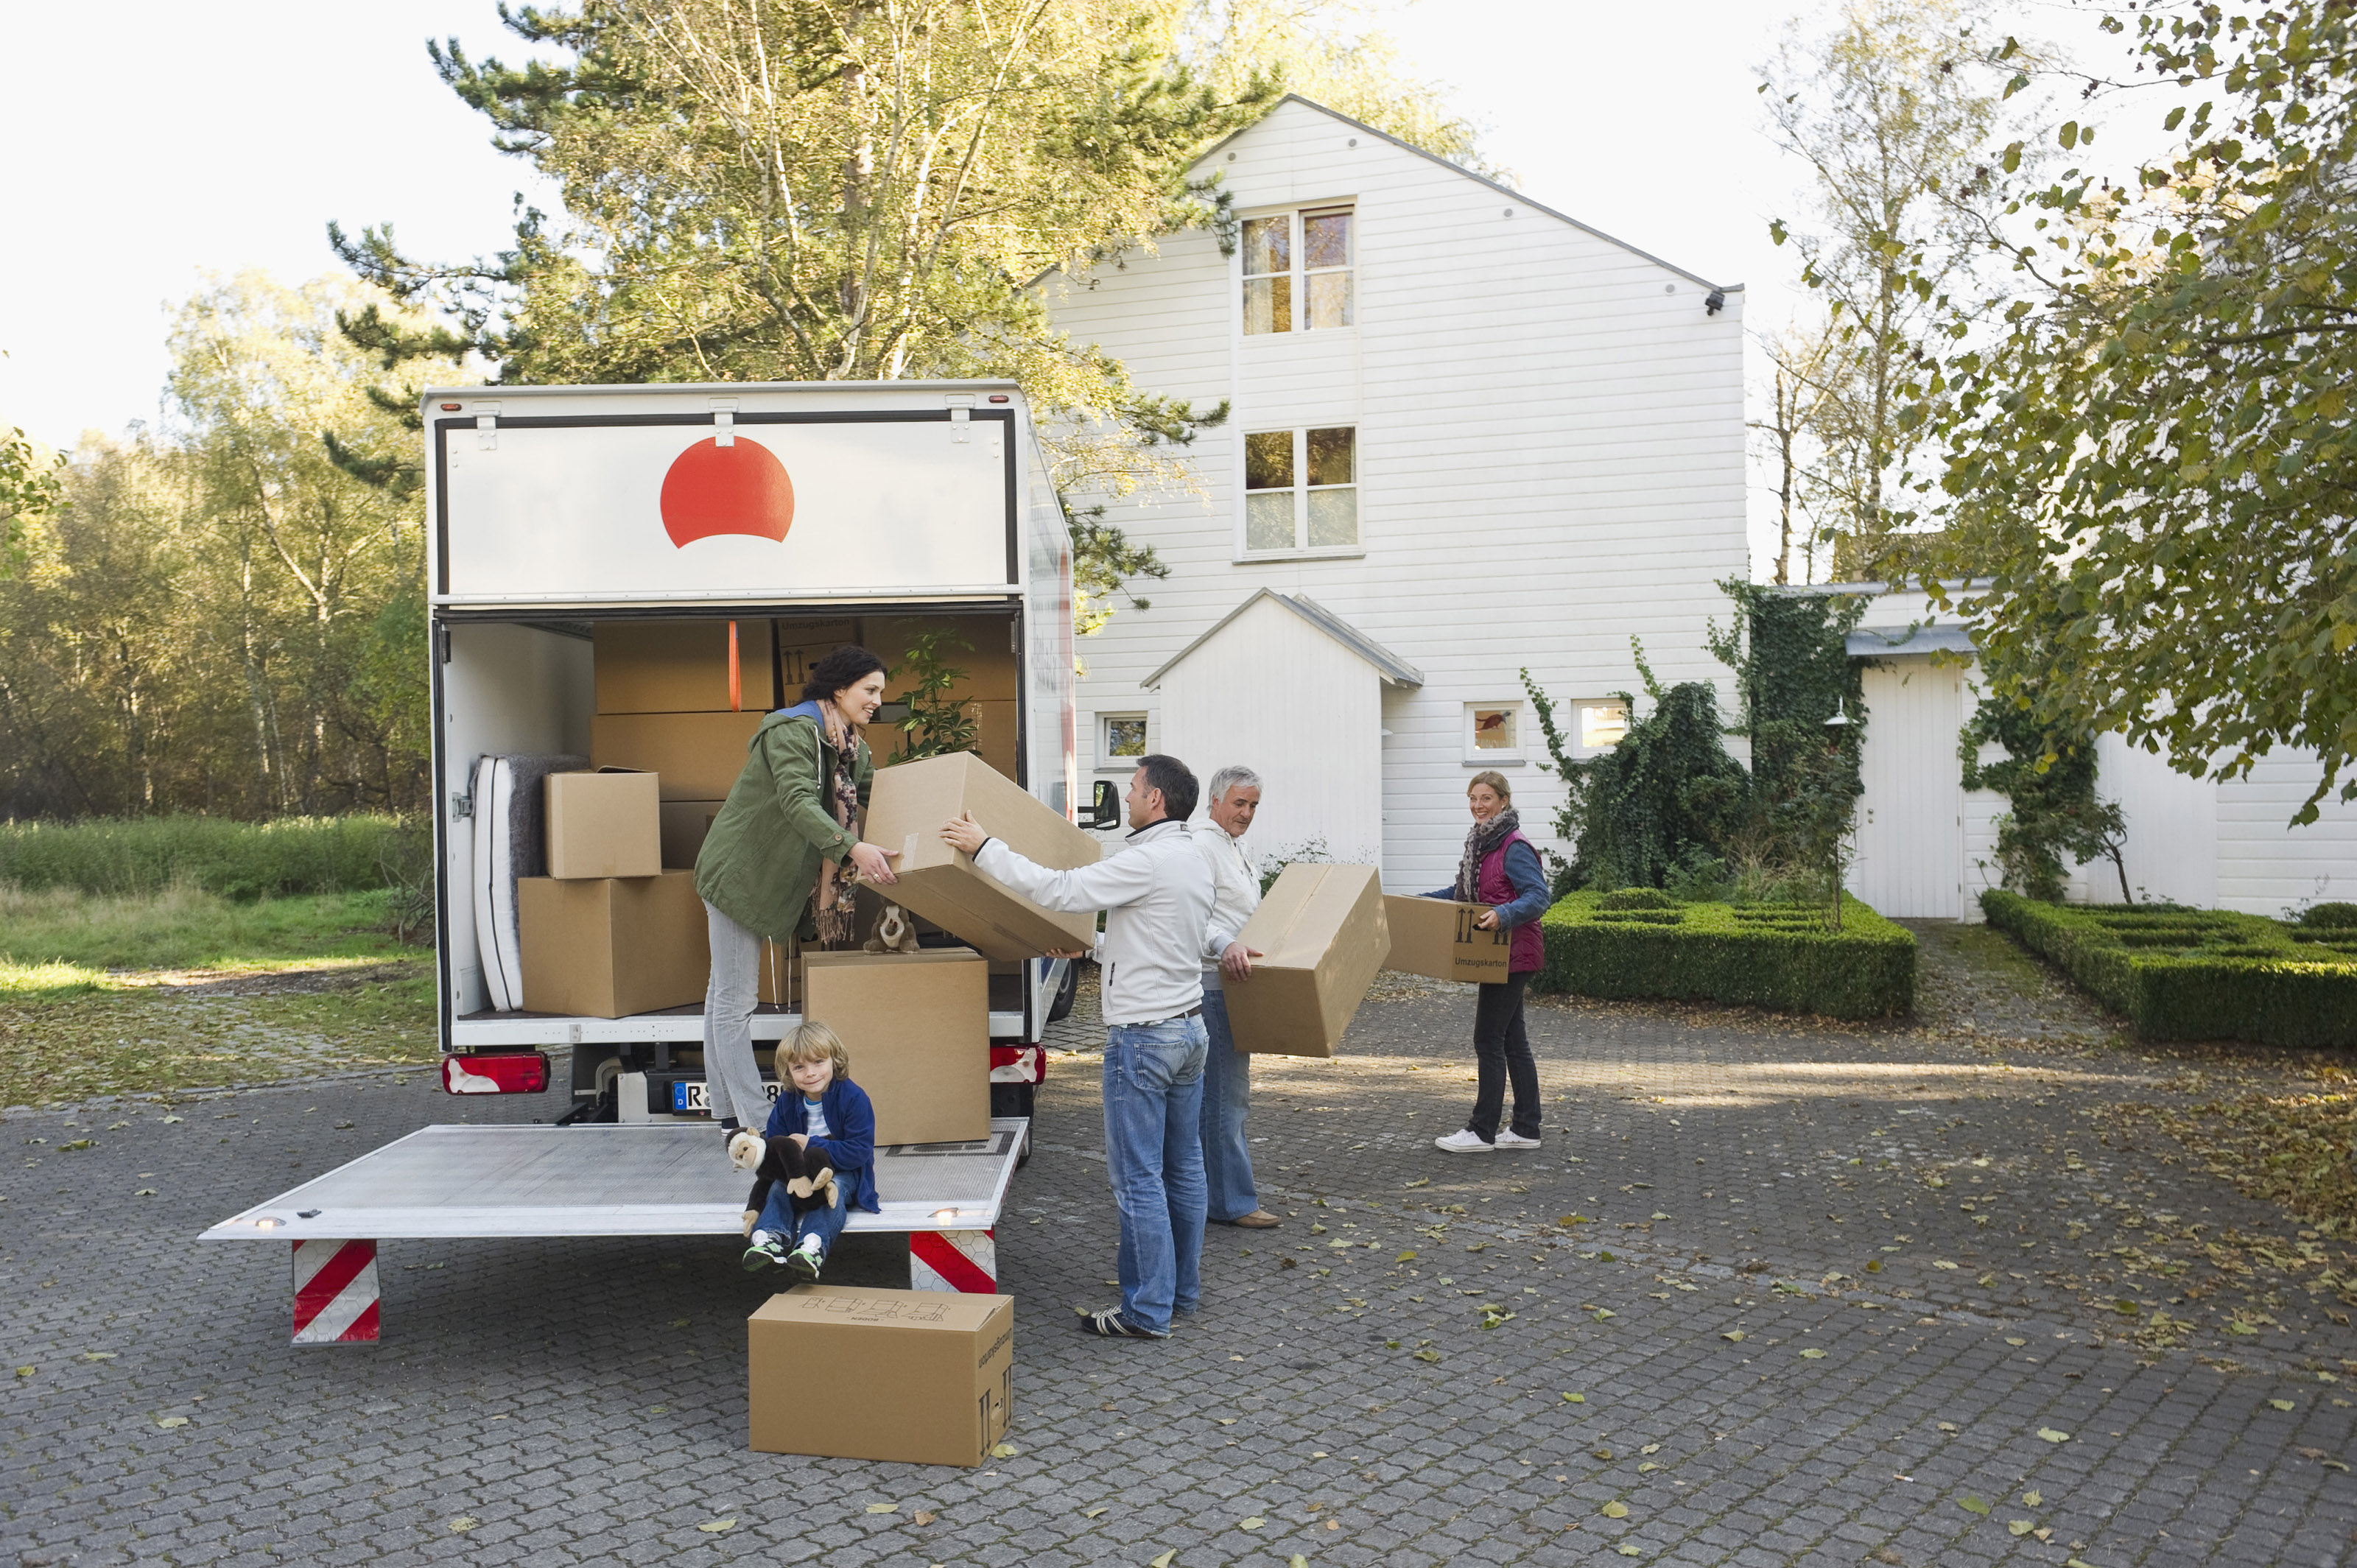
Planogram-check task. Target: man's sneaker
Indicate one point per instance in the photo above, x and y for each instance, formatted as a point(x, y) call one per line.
point(804, 1261)
point(1111, 1324)
point(1464, 1141)
point(764, 1255)
point(1510, 1139)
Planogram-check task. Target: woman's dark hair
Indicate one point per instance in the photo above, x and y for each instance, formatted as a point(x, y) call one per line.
point(1177, 782)
point(846, 666)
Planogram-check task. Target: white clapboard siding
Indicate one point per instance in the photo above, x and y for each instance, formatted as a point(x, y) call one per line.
point(1313, 734)
point(2264, 865)
point(1910, 837)
point(1550, 457)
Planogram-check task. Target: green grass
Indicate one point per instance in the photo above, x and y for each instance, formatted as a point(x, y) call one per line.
point(61, 939)
point(139, 855)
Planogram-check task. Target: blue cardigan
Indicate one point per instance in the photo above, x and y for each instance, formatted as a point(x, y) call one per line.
point(850, 1148)
point(1529, 877)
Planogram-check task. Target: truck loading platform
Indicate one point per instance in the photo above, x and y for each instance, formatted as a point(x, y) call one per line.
point(615, 1179)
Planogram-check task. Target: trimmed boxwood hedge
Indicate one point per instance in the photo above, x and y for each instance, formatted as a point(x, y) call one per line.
point(1783, 956)
point(2197, 974)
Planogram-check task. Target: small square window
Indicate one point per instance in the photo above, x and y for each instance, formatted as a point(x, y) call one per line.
point(1602, 725)
point(1297, 269)
point(1493, 732)
point(1120, 736)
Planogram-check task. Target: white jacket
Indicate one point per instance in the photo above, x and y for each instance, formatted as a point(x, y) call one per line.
point(1235, 889)
point(1156, 892)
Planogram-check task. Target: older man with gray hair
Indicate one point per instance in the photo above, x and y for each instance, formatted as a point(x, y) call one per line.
point(1227, 1072)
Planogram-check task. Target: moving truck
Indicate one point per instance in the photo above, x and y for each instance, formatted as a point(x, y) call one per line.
point(630, 577)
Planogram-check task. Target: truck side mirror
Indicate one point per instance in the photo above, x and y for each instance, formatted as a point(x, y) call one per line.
point(1104, 809)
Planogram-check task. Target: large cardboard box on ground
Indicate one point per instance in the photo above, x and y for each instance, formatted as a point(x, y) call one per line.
point(698, 756)
point(850, 1372)
point(681, 667)
point(904, 812)
point(1322, 937)
point(607, 823)
point(684, 825)
point(1437, 937)
point(609, 947)
point(918, 1028)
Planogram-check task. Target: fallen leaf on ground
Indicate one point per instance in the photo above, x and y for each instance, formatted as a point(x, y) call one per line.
point(2031, 1499)
point(1253, 1523)
point(2280, 1404)
point(1227, 1420)
point(679, 1323)
point(1090, 1513)
point(1167, 1559)
point(883, 1508)
point(26, 1371)
point(1942, 1264)
point(1005, 1451)
point(101, 1356)
point(921, 1517)
point(1736, 1334)
point(464, 1523)
point(168, 1422)
point(1651, 1448)
point(2019, 1526)
point(1627, 1551)
point(1567, 1398)
point(1813, 1355)
point(2013, 1342)
point(715, 1526)
point(1405, 1258)
point(1615, 1510)
point(1421, 1181)
point(2052, 1435)
point(1972, 1505)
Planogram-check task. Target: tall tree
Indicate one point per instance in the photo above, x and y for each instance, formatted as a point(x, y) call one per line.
point(2152, 462)
point(1888, 108)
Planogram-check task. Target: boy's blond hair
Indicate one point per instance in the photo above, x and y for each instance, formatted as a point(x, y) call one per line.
point(810, 1042)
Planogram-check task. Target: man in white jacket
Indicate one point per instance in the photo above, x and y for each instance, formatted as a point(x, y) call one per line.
point(1233, 1200)
point(1156, 894)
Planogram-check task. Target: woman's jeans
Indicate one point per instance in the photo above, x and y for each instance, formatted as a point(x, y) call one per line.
point(1153, 1154)
point(826, 1224)
point(731, 1077)
point(1502, 1050)
point(1227, 1097)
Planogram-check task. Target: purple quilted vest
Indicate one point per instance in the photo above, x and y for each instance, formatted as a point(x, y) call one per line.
point(1496, 888)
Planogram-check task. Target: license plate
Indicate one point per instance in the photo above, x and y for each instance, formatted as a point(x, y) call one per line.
point(690, 1097)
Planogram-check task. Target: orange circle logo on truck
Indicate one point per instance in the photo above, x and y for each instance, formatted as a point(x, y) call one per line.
point(737, 488)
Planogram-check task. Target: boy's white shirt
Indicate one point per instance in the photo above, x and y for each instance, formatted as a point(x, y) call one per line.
point(1235, 888)
point(1156, 890)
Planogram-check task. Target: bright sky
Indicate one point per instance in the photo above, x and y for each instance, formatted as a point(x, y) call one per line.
point(242, 126)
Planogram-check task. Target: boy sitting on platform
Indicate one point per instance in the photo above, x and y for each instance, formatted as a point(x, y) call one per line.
point(828, 1115)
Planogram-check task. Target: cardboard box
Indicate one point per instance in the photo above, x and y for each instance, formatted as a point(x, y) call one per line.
point(850, 1372)
point(1321, 935)
point(698, 756)
point(904, 812)
point(604, 823)
point(610, 947)
point(1438, 937)
point(801, 644)
point(681, 667)
point(684, 825)
point(781, 975)
point(918, 1027)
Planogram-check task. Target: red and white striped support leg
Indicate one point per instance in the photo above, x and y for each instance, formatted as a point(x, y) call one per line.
point(335, 1292)
point(964, 1260)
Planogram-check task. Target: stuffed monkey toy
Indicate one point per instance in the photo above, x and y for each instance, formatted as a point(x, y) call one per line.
point(808, 1174)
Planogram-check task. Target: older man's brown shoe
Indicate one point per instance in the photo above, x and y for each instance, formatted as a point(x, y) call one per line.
point(1258, 1220)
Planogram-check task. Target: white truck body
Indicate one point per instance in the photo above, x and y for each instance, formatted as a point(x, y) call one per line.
point(547, 514)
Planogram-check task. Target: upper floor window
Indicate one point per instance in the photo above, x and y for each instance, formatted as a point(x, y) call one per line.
point(1298, 268)
point(1301, 490)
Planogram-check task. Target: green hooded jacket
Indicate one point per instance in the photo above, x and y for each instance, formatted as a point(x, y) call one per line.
point(759, 863)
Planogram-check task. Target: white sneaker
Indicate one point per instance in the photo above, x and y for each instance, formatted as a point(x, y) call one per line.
point(1510, 1139)
point(1462, 1142)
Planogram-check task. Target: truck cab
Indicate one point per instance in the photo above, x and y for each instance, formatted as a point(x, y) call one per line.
point(633, 577)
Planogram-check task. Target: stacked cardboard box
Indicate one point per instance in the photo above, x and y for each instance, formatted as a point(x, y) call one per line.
point(609, 947)
point(918, 1028)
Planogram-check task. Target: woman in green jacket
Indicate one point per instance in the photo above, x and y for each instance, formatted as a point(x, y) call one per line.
point(781, 859)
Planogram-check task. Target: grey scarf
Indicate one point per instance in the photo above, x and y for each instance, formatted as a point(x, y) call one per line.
point(1479, 844)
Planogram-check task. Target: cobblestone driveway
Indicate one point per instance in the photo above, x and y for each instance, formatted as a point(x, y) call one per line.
point(1834, 1296)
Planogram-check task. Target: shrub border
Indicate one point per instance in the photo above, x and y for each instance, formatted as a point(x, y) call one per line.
point(1753, 955)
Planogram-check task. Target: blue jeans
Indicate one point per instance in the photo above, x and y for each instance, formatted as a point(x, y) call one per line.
point(1227, 1096)
point(778, 1218)
point(1153, 1154)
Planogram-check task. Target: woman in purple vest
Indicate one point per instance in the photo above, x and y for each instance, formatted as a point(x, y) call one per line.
point(1500, 869)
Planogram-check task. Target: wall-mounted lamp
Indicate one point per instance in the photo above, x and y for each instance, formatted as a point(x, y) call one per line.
point(1714, 301)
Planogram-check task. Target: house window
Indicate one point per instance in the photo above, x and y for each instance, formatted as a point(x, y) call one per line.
point(1120, 736)
point(1600, 725)
point(1493, 732)
point(1301, 490)
point(1297, 271)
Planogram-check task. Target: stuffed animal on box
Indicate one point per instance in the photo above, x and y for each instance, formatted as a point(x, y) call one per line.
point(894, 932)
point(808, 1174)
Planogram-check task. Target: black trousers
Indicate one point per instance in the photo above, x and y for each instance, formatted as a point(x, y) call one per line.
point(1502, 1050)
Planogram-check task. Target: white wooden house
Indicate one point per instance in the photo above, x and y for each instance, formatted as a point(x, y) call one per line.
point(1469, 434)
point(1926, 846)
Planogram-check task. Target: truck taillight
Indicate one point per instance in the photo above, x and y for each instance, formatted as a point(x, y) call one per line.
point(509, 1072)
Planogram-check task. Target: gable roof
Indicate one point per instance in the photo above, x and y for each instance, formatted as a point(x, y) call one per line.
point(1503, 189)
point(1394, 671)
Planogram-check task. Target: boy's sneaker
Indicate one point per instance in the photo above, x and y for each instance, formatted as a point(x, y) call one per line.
point(763, 1254)
point(1510, 1139)
point(803, 1261)
point(1464, 1141)
point(1111, 1324)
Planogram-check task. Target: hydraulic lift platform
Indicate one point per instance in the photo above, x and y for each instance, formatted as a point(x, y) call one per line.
point(475, 1182)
